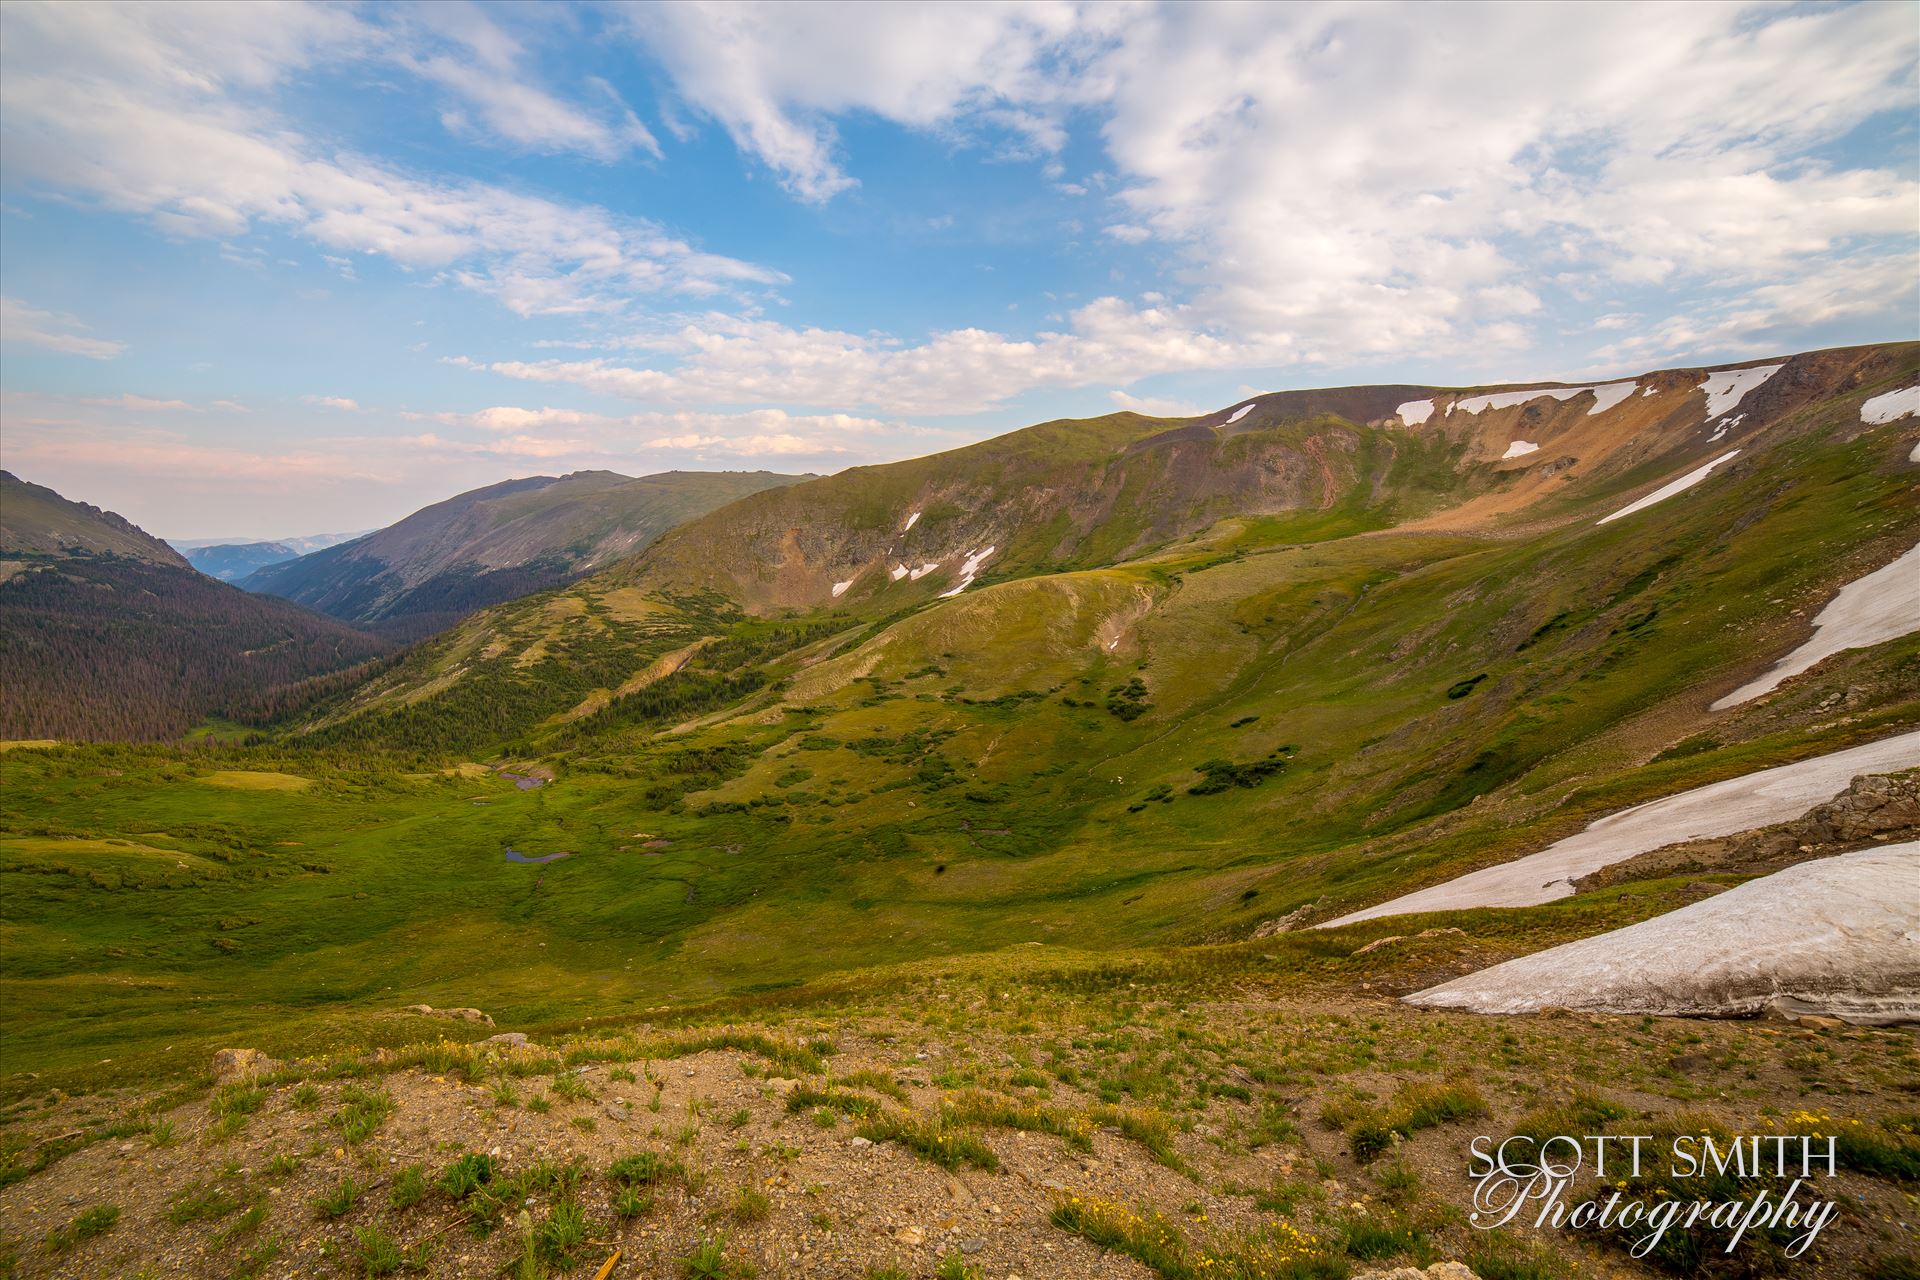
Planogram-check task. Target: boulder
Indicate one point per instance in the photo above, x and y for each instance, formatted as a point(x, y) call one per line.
point(232, 1065)
point(508, 1040)
point(1438, 1271)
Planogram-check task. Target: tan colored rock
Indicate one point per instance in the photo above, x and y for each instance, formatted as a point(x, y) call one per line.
point(1284, 924)
point(231, 1065)
point(1377, 943)
point(1438, 1271)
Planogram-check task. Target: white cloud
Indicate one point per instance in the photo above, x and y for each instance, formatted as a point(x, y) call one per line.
point(163, 111)
point(728, 360)
point(1375, 181)
point(482, 65)
point(341, 403)
point(748, 433)
point(53, 330)
point(774, 75)
point(1154, 407)
point(1330, 183)
point(128, 400)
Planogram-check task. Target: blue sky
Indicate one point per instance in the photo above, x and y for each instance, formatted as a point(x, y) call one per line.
point(287, 269)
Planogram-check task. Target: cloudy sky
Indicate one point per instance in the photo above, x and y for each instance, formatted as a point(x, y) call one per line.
point(286, 269)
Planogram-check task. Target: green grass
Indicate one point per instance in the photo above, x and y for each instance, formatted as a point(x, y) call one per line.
point(202, 1201)
point(86, 1224)
point(339, 1201)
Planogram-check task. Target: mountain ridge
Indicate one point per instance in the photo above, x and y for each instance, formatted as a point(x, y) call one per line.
point(494, 543)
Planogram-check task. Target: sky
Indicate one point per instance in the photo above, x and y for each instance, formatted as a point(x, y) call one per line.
point(282, 269)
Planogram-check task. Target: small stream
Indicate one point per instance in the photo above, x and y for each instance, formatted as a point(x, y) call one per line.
point(514, 855)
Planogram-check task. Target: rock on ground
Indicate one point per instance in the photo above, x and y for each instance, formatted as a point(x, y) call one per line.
point(1839, 936)
point(230, 1065)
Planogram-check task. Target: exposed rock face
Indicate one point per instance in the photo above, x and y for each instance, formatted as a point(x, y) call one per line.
point(1873, 807)
point(233, 1065)
point(1838, 937)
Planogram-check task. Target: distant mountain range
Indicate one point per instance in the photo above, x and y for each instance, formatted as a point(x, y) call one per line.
point(106, 632)
point(230, 559)
point(493, 544)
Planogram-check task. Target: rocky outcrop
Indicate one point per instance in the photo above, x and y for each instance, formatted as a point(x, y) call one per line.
point(1284, 924)
point(1838, 937)
point(1874, 807)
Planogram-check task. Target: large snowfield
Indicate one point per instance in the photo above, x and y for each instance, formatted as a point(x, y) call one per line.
point(1837, 936)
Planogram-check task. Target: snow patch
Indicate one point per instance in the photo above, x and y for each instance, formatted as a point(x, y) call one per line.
point(840, 588)
point(1882, 606)
point(1717, 809)
point(1649, 390)
point(968, 569)
point(898, 572)
point(1604, 398)
point(923, 570)
point(1725, 388)
point(1833, 936)
point(911, 521)
point(1726, 424)
point(1508, 399)
point(1415, 412)
point(1241, 412)
point(1894, 404)
point(1666, 491)
point(1520, 449)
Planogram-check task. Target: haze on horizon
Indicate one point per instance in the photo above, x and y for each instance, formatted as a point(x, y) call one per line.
point(296, 269)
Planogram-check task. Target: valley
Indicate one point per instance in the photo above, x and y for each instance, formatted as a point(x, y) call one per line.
point(1166, 693)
